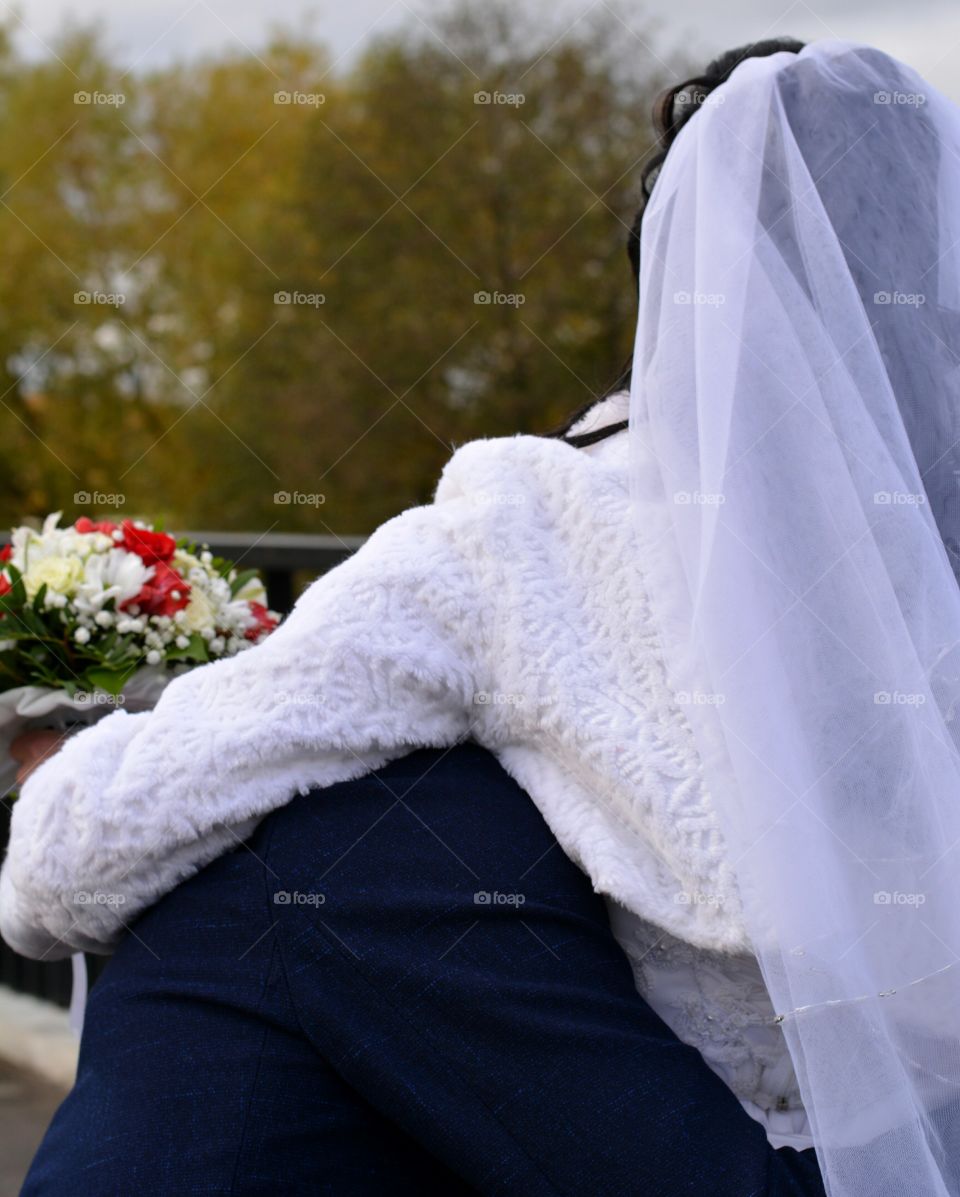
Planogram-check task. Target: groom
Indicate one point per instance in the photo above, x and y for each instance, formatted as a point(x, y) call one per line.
point(334, 1008)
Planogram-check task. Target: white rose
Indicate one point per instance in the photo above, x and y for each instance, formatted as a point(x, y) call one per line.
point(60, 574)
point(198, 613)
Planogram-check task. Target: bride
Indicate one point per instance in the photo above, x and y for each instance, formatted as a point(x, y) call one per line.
point(615, 793)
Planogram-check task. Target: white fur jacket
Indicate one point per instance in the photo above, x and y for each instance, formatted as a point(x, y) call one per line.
point(511, 609)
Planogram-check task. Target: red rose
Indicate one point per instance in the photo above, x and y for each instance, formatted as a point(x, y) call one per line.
point(265, 622)
point(6, 553)
point(152, 547)
point(84, 524)
point(164, 594)
point(5, 586)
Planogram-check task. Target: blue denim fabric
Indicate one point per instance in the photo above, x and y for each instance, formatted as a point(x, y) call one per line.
point(399, 984)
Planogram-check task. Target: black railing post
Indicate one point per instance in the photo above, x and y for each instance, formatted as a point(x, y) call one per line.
point(279, 584)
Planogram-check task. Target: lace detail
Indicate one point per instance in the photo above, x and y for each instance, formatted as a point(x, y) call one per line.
point(716, 1003)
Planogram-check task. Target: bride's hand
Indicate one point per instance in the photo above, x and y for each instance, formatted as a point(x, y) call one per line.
point(32, 748)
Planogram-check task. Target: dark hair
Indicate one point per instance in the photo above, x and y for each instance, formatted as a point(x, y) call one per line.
point(671, 111)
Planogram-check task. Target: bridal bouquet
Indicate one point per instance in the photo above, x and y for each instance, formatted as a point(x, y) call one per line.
point(101, 614)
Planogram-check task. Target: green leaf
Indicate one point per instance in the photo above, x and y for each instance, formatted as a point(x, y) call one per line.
point(111, 680)
point(33, 623)
point(18, 592)
point(241, 580)
point(196, 650)
point(13, 628)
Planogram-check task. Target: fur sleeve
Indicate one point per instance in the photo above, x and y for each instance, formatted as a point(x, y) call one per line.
point(377, 657)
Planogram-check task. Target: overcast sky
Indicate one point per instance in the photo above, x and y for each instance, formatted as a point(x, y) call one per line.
point(925, 33)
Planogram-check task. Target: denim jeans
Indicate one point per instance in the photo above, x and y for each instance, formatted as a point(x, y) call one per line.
point(398, 984)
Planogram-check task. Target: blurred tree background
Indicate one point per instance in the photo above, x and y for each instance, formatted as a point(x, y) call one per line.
point(153, 223)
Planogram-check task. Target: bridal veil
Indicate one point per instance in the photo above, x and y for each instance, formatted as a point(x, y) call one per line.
point(795, 427)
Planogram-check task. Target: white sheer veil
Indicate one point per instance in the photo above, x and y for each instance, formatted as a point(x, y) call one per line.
point(795, 438)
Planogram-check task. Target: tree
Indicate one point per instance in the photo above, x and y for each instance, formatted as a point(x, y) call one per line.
point(495, 156)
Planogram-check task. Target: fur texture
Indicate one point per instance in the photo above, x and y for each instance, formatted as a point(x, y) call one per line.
point(512, 610)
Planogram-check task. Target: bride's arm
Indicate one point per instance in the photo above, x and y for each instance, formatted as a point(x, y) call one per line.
point(376, 657)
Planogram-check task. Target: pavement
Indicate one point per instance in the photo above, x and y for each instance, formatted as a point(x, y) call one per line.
point(38, 1061)
point(27, 1104)
point(36, 1035)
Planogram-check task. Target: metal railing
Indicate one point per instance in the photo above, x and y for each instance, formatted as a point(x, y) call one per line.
point(287, 563)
